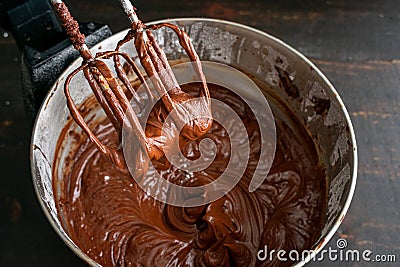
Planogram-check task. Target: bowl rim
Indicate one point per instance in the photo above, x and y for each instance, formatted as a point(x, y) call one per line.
point(324, 239)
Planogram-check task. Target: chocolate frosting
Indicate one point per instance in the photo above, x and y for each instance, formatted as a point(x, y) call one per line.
point(112, 220)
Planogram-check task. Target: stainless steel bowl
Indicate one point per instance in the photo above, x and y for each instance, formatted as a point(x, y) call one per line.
point(253, 52)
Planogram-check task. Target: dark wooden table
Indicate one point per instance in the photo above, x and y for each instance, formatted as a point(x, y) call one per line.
point(355, 43)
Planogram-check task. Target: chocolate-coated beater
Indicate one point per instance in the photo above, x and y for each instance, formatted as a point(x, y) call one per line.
point(105, 86)
point(194, 119)
point(114, 100)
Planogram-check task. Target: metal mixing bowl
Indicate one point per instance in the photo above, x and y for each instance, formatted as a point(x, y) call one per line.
point(254, 52)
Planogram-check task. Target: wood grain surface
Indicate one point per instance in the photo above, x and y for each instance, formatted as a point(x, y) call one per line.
point(355, 43)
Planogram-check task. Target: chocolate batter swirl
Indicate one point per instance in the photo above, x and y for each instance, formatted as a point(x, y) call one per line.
point(114, 222)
